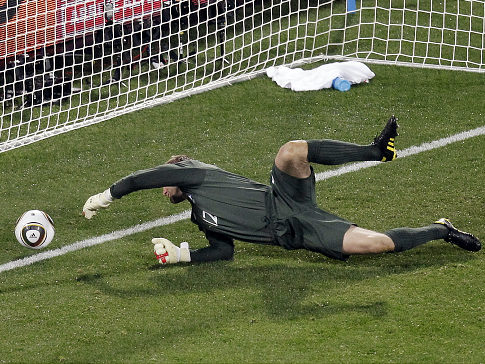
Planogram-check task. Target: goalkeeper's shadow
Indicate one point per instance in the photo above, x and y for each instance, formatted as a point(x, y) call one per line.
point(309, 287)
point(288, 292)
point(290, 288)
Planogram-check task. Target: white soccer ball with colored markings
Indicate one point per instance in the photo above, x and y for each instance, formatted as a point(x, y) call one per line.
point(34, 229)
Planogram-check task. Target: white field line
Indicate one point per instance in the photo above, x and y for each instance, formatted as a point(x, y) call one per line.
point(186, 214)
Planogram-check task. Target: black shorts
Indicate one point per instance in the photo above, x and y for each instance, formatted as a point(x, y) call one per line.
point(297, 221)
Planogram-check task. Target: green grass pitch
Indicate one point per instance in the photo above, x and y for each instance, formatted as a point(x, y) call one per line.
point(113, 303)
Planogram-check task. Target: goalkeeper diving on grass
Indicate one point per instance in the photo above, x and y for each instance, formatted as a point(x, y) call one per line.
point(228, 207)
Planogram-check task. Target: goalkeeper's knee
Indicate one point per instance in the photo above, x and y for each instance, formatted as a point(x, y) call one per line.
point(168, 253)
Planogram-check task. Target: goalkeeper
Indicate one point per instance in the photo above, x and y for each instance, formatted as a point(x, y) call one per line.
point(226, 206)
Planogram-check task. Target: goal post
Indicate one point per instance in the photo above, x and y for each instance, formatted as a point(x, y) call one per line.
point(67, 64)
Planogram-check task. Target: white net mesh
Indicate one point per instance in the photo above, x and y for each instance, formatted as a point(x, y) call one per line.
point(66, 64)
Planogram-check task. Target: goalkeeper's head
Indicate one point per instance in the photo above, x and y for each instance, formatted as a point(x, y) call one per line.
point(174, 193)
point(178, 158)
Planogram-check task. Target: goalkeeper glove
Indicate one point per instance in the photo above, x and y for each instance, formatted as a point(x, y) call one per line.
point(95, 202)
point(166, 252)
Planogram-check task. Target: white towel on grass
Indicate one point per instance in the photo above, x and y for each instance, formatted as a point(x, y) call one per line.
point(321, 77)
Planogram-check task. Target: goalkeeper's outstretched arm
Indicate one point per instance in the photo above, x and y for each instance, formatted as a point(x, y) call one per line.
point(161, 176)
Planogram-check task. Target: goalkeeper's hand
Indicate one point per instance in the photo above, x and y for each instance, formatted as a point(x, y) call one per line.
point(95, 202)
point(166, 252)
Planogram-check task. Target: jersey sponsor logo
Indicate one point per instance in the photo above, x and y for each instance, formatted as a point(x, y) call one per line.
point(209, 218)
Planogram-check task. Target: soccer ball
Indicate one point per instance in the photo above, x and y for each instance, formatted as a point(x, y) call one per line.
point(34, 229)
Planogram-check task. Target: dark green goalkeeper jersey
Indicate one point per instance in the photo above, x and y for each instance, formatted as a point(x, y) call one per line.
point(222, 202)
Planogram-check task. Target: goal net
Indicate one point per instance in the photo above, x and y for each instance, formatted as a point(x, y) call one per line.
point(66, 64)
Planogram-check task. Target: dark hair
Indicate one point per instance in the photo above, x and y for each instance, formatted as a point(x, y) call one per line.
point(178, 158)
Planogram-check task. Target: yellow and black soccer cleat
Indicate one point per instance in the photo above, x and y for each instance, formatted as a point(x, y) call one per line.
point(385, 140)
point(460, 238)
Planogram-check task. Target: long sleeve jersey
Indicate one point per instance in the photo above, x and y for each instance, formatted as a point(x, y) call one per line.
point(224, 204)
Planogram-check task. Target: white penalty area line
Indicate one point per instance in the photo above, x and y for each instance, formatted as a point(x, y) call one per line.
point(186, 214)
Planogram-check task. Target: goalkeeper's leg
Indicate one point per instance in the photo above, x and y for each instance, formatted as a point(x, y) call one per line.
point(333, 152)
point(361, 241)
point(294, 157)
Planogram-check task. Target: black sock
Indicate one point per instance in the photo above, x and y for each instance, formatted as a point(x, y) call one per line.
point(408, 238)
point(332, 152)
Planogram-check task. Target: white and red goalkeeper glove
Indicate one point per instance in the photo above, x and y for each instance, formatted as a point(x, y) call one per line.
point(95, 202)
point(167, 252)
